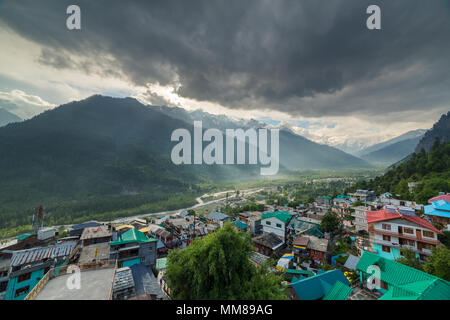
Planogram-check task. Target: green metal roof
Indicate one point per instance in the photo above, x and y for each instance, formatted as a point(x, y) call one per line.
point(338, 292)
point(324, 197)
point(305, 272)
point(24, 236)
point(404, 282)
point(131, 236)
point(280, 215)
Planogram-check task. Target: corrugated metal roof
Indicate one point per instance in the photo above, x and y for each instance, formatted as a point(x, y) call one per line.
point(404, 280)
point(338, 292)
point(40, 253)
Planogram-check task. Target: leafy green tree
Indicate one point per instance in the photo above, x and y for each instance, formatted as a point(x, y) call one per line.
point(409, 258)
point(330, 222)
point(438, 263)
point(218, 267)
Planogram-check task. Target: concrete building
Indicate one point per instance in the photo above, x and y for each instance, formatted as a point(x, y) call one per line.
point(276, 223)
point(392, 230)
point(47, 233)
point(28, 267)
point(93, 235)
point(360, 221)
point(133, 247)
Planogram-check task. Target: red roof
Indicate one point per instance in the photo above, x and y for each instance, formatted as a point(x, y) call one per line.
point(383, 215)
point(445, 197)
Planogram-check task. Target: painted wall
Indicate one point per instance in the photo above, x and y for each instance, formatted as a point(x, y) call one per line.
point(14, 285)
point(280, 231)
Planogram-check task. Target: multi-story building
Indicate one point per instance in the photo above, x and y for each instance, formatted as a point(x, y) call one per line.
point(439, 213)
point(276, 222)
point(388, 199)
point(391, 230)
point(133, 247)
point(362, 195)
point(28, 267)
point(360, 221)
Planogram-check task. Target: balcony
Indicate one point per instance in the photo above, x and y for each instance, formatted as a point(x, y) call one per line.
point(404, 236)
point(401, 246)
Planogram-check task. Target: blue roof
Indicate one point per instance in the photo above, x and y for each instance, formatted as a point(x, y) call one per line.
point(440, 208)
point(160, 245)
point(218, 216)
point(184, 213)
point(85, 225)
point(238, 223)
point(318, 286)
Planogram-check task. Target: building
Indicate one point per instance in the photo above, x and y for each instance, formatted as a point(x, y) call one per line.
point(360, 220)
point(362, 196)
point(442, 196)
point(123, 285)
point(388, 199)
point(77, 230)
point(318, 286)
point(323, 201)
point(311, 246)
point(95, 283)
point(391, 230)
point(439, 212)
point(28, 267)
point(268, 244)
point(47, 233)
point(24, 241)
point(146, 286)
point(276, 222)
point(217, 217)
point(253, 221)
point(401, 282)
point(341, 205)
point(93, 235)
point(133, 247)
point(94, 252)
point(5, 262)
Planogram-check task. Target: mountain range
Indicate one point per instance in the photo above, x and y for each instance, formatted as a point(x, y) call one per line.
point(441, 130)
point(7, 117)
point(393, 150)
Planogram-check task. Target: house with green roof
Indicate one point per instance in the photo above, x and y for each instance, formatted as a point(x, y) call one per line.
point(276, 222)
point(401, 282)
point(133, 247)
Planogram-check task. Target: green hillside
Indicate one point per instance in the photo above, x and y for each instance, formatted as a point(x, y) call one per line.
point(431, 170)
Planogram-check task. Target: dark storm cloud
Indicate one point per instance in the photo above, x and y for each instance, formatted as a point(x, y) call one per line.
point(310, 58)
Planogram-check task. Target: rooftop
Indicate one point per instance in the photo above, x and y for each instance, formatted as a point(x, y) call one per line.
point(440, 208)
point(445, 197)
point(131, 236)
point(95, 285)
point(318, 286)
point(405, 283)
point(40, 253)
point(280, 215)
point(95, 232)
point(99, 251)
point(384, 215)
point(269, 240)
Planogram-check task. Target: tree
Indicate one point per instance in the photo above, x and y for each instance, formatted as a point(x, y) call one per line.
point(218, 267)
point(409, 258)
point(438, 263)
point(330, 222)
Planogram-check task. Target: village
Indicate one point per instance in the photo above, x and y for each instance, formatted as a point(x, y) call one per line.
point(324, 249)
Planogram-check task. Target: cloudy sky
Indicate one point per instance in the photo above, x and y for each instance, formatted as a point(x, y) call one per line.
point(310, 64)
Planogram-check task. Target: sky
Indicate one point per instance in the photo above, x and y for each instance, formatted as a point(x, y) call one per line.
point(310, 65)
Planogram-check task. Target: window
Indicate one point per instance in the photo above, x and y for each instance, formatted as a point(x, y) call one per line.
point(408, 230)
point(428, 234)
point(427, 246)
point(386, 249)
point(21, 291)
point(268, 223)
point(387, 238)
point(278, 225)
point(24, 277)
point(386, 226)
